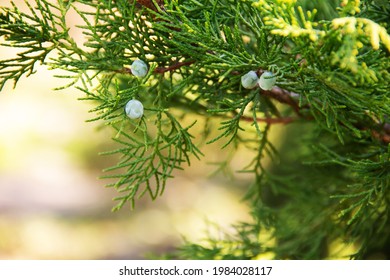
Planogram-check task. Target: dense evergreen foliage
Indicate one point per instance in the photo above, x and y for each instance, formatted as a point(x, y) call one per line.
point(329, 183)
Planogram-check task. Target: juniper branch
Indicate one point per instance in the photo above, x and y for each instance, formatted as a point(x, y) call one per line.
point(332, 89)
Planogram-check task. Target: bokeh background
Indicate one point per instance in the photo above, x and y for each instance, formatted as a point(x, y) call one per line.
point(53, 204)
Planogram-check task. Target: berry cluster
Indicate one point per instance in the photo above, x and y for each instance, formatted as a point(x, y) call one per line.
point(134, 108)
point(266, 81)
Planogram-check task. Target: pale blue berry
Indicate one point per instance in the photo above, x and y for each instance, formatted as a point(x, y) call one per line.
point(139, 68)
point(249, 80)
point(267, 80)
point(134, 109)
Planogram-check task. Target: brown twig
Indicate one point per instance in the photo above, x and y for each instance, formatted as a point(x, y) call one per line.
point(381, 132)
point(283, 96)
point(149, 4)
point(382, 136)
point(281, 120)
point(161, 70)
point(124, 70)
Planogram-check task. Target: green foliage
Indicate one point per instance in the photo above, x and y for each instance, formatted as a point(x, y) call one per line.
point(45, 24)
point(329, 181)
